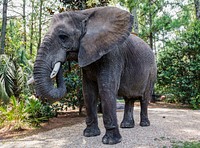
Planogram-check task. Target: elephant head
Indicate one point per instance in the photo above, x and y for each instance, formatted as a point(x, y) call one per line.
point(90, 33)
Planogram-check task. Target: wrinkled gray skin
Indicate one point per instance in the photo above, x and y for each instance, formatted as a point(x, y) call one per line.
point(114, 63)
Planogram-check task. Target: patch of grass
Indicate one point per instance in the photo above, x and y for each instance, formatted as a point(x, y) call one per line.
point(187, 144)
point(120, 100)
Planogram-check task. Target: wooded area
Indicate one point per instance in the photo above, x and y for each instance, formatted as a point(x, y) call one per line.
point(171, 28)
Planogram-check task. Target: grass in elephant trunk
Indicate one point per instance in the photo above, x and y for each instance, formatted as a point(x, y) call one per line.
point(64, 119)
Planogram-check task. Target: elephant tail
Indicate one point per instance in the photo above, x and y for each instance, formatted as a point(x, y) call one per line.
point(150, 84)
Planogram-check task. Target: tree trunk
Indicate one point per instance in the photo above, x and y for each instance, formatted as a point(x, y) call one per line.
point(40, 24)
point(197, 8)
point(31, 31)
point(4, 23)
point(150, 27)
point(24, 22)
point(135, 23)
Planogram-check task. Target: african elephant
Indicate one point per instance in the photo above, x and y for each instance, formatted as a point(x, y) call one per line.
point(113, 61)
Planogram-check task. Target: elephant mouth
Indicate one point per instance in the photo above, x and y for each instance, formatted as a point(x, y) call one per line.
point(72, 55)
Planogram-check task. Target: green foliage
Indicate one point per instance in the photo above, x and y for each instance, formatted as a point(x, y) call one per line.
point(74, 87)
point(14, 65)
point(18, 114)
point(7, 70)
point(13, 115)
point(80, 5)
point(12, 77)
point(3, 95)
point(187, 144)
point(157, 19)
point(38, 112)
point(14, 37)
point(179, 66)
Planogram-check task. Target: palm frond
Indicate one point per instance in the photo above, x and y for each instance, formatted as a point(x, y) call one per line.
point(7, 72)
point(3, 95)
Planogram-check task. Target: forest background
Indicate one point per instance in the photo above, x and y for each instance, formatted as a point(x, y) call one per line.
point(171, 28)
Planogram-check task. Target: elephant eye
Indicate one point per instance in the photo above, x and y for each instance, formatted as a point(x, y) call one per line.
point(63, 38)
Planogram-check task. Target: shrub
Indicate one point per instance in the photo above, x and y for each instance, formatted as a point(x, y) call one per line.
point(13, 115)
point(13, 77)
point(73, 82)
point(38, 112)
point(29, 111)
point(179, 66)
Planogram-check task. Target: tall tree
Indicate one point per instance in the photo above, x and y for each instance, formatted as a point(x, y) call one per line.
point(150, 25)
point(4, 23)
point(135, 23)
point(31, 28)
point(24, 22)
point(197, 8)
point(40, 23)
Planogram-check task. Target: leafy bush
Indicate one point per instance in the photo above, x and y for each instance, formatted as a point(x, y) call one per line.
point(28, 111)
point(7, 70)
point(13, 115)
point(38, 112)
point(3, 95)
point(13, 77)
point(179, 66)
point(74, 87)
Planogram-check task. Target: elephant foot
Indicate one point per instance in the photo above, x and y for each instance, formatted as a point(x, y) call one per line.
point(127, 124)
point(112, 136)
point(91, 131)
point(145, 123)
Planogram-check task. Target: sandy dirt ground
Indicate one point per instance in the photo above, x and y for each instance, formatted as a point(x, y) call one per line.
point(168, 126)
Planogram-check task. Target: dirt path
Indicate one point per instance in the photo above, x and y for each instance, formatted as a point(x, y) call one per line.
point(167, 126)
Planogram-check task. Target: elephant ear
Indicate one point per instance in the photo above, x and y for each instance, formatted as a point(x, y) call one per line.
point(106, 28)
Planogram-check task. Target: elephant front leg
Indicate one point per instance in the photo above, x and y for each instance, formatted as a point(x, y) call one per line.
point(90, 97)
point(128, 120)
point(144, 113)
point(108, 101)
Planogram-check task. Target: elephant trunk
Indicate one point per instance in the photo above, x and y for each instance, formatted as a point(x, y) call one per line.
point(45, 86)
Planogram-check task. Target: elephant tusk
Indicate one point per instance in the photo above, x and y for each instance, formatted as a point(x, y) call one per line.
point(55, 70)
point(30, 81)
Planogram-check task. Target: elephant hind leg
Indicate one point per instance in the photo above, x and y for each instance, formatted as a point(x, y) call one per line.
point(128, 120)
point(144, 120)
